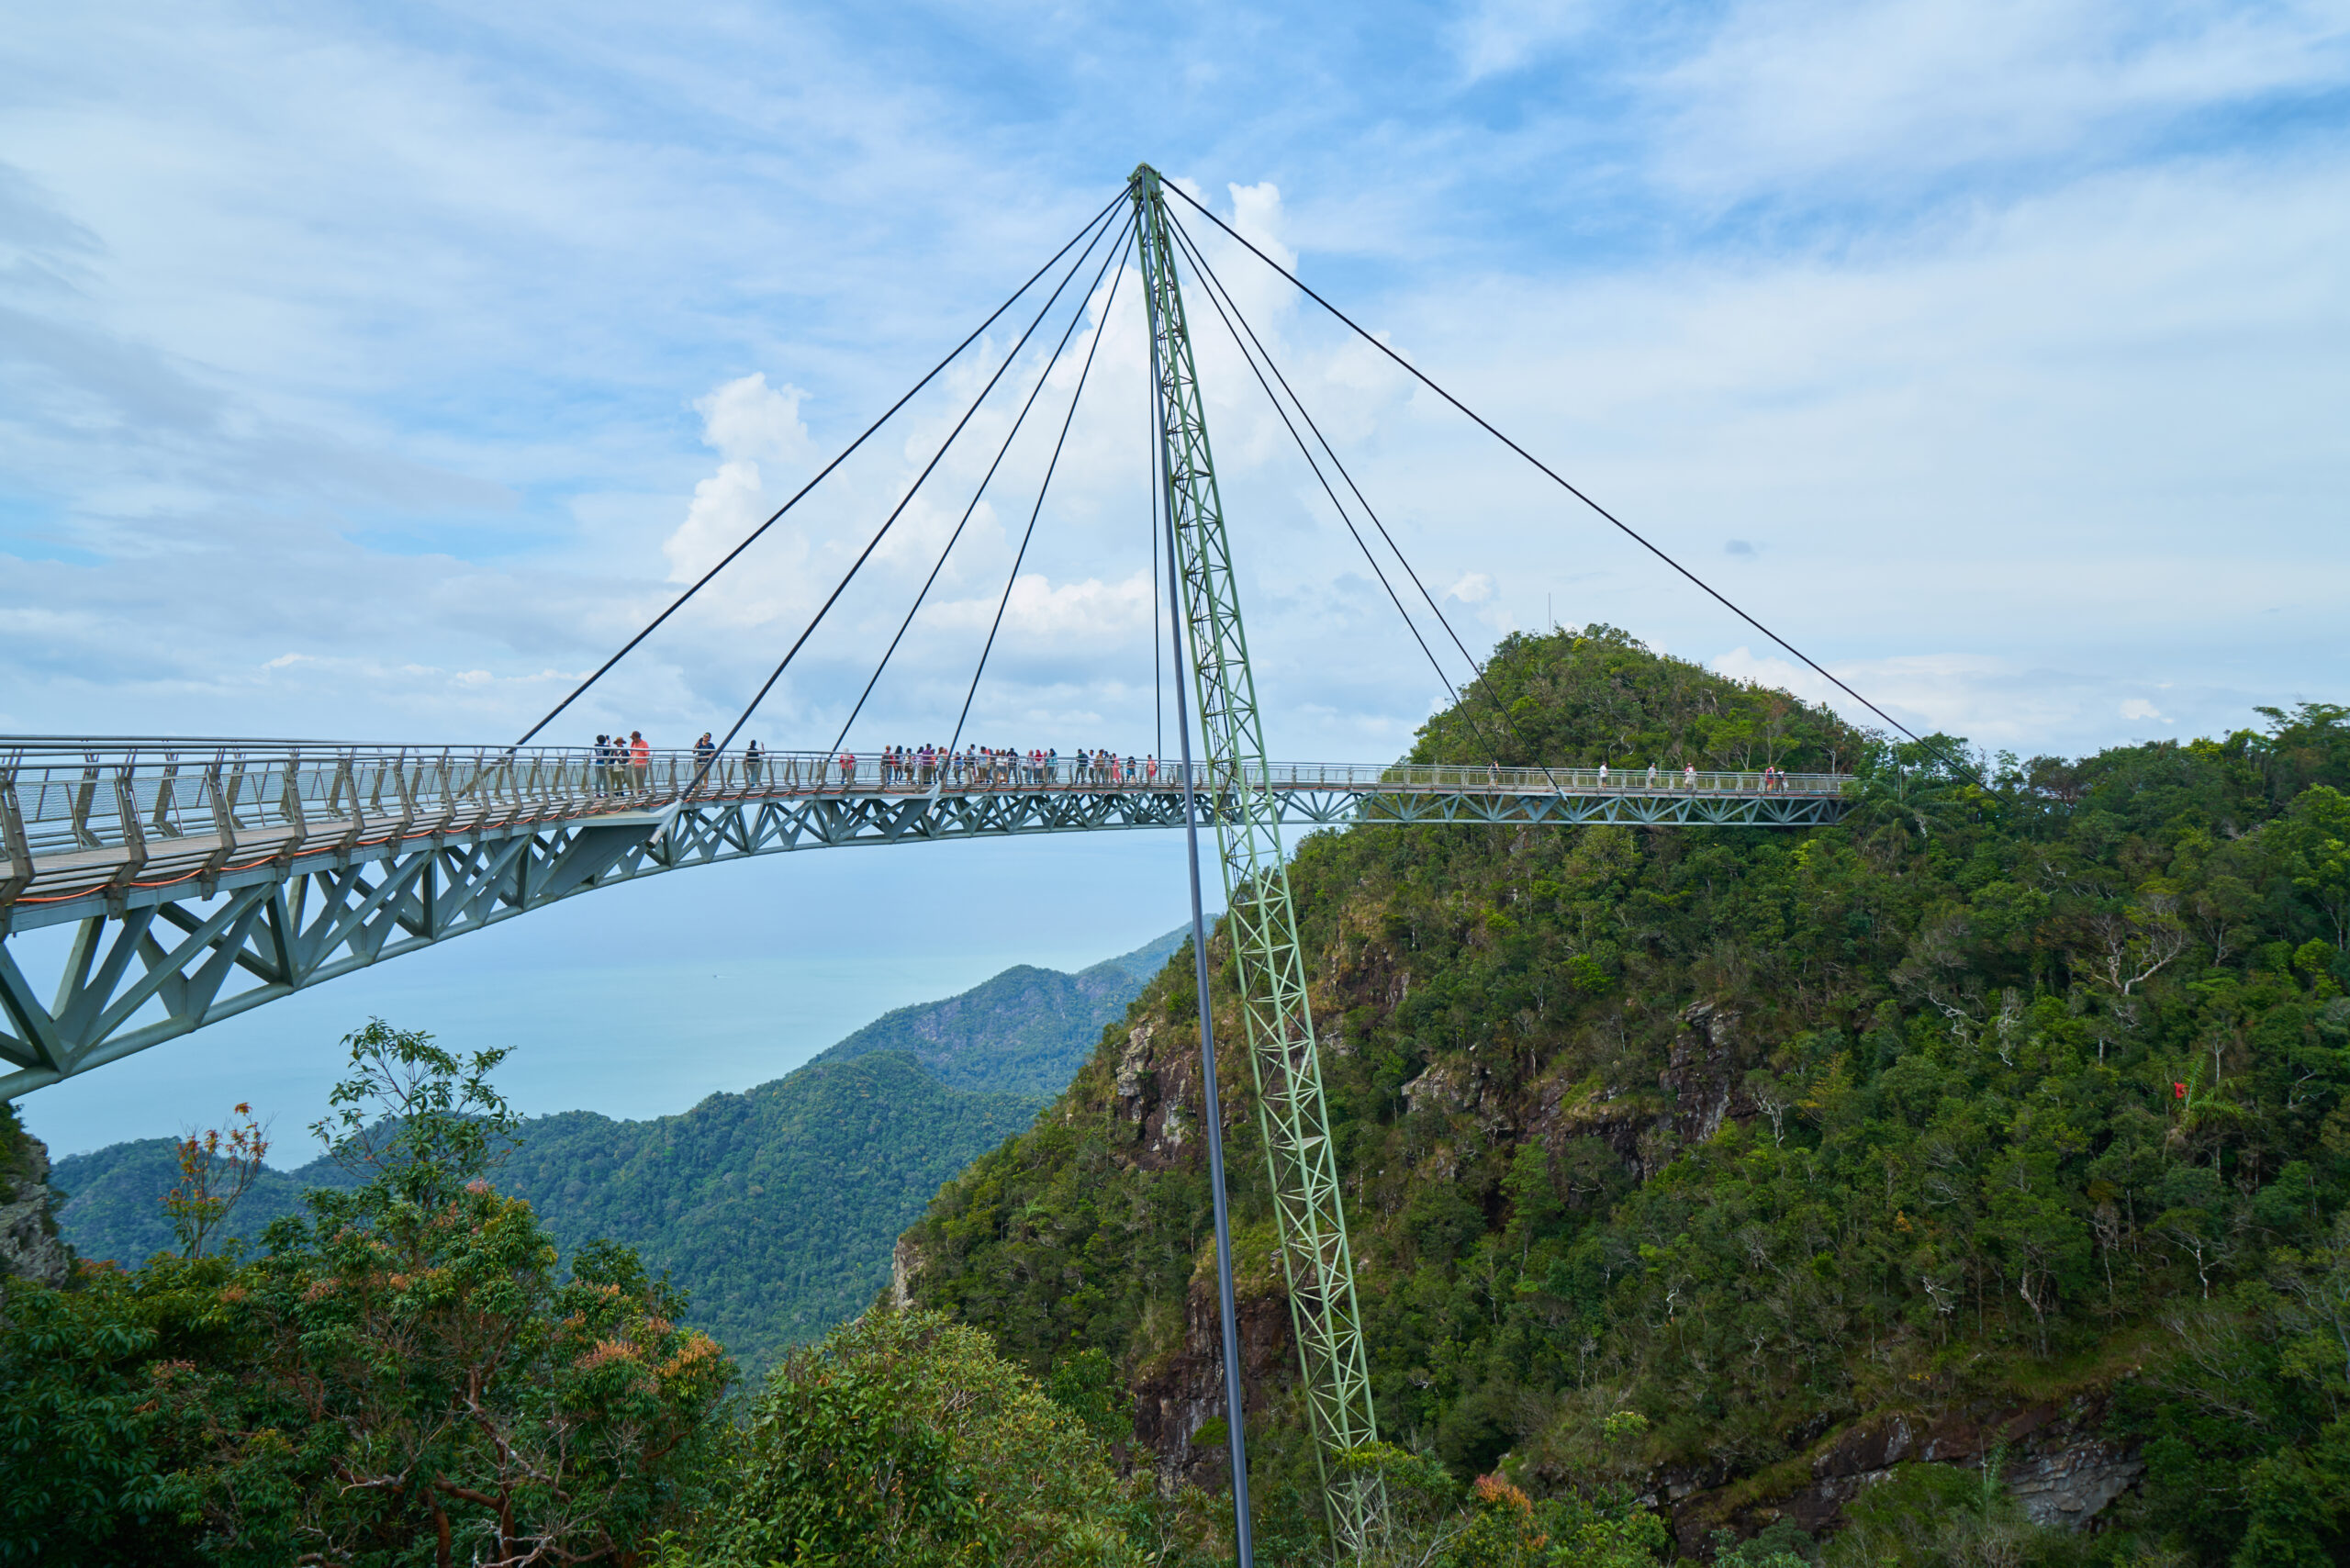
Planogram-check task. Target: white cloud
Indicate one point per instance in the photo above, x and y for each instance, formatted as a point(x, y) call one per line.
point(1474, 587)
point(1501, 35)
point(1256, 215)
point(1788, 91)
point(749, 424)
point(748, 421)
point(1068, 617)
point(440, 349)
point(2139, 708)
point(725, 508)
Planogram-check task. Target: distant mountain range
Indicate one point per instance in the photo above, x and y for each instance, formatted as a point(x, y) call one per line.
point(775, 1208)
point(1024, 1032)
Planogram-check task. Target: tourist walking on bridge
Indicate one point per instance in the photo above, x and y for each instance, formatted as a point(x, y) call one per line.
point(640, 756)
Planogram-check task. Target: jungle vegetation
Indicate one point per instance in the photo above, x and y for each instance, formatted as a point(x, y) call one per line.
point(403, 1375)
point(774, 1209)
point(1676, 1160)
point(2020, 1087)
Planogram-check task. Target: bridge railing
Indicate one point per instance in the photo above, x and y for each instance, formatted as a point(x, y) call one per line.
point(121, 801)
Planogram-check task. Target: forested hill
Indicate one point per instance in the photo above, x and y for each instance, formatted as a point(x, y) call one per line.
point(1027, 1031)
point(2002, 1123)
point(775, 1208)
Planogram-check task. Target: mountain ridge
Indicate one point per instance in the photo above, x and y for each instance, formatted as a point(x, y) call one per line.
point(775, 1207)
point(1940, 1180)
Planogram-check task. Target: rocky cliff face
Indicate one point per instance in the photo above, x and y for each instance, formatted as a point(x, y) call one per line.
point(30, 1246)
point(2061, 1472)
point(1178, 1388)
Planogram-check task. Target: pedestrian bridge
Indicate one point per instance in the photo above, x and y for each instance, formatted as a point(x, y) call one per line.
point(203, 878)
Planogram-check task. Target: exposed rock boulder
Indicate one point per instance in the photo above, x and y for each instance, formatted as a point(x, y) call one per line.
point(30, 1246)
point(2061, 1472)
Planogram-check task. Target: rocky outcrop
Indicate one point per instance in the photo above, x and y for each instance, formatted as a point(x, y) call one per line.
point(2068, 1485)
point(2061, 1472)
point(1702, 1076)
point(30, 1247)
point(1183, 1392)
point(905, 1263)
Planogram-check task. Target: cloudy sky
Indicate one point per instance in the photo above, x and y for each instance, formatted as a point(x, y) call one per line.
point(374, 371)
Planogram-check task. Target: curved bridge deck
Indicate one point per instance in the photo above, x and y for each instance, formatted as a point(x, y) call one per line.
point(205, 877)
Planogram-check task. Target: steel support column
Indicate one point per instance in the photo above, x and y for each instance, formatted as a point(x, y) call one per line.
point(1303, 1166)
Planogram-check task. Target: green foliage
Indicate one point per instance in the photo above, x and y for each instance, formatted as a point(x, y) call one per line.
point(402, 1376)
point(1932, 1516)
point(904, 1439)
point(777, 1207)
point(88, 1455)
point(2316, 845)
point(1781, 1544)
point(1086, 1385)
point(1500, 1526)
point(1986, 1094)
point(411, 1118)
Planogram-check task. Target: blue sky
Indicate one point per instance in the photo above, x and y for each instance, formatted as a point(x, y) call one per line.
point(369, 370)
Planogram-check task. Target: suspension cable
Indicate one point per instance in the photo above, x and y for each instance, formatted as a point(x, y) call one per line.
point(1210, 285)
point(891, 522)
point(1101, 330)
point(1158, 496)
point(678, 603)
point(1214, 286)
point(1556, 478)
point(1117, 250)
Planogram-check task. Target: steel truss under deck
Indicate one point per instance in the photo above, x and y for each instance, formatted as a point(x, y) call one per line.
point(201, 880)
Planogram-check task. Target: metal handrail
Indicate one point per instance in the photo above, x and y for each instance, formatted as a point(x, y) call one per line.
point(100, 796)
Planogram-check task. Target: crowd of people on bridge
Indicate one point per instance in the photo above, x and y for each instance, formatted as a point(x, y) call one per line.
point(989, 767)
point(623, 765)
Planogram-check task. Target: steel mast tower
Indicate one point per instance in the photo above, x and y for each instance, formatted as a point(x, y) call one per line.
point(1301, 1163)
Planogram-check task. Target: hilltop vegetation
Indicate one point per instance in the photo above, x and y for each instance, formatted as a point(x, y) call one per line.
point(2001, 1125)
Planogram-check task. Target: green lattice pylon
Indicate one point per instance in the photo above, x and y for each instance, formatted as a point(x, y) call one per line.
point(1301, 1163)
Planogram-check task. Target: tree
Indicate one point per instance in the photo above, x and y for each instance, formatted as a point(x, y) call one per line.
point(423, 1120)
point(422, 1387)
point(904, 1439)
point(2316, 833)
point(93, 1466)
point(217, 1168)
